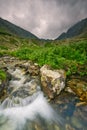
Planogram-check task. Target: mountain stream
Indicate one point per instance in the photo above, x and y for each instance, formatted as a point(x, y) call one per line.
point(26, 107)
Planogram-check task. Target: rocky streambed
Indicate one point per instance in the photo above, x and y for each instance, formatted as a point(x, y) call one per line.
point(41, 98)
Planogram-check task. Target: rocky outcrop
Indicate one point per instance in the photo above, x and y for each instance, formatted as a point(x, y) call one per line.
point(79, 87)
point(53, 81)
point(19, 72)
point(30, 67)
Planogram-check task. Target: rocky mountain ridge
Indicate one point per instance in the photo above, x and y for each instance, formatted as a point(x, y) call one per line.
point(79, 28)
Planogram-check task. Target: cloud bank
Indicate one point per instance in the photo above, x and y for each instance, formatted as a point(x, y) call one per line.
point(44, 18)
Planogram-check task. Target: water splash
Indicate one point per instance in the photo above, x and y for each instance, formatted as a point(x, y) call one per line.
point(18, 112)
point(17, 116)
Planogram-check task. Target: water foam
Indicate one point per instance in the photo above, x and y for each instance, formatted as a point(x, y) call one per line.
point(16, 111)
point(18, 115)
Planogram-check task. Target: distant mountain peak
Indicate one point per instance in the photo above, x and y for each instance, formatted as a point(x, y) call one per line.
point(76, 30)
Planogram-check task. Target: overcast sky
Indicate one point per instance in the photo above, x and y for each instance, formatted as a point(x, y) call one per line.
point(44, 18)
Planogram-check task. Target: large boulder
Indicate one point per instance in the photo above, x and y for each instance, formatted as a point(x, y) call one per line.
point(53, 81)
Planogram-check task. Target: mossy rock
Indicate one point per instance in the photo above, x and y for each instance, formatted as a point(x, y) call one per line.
point(79, 87)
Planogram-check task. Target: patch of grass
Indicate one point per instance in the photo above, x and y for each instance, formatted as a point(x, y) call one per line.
point(3, 47)
point(2, 75)
point(1, 53)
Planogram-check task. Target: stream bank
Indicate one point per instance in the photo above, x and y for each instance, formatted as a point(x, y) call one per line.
point(24, 81)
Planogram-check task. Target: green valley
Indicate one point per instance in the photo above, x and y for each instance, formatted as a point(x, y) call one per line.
point(68, 54)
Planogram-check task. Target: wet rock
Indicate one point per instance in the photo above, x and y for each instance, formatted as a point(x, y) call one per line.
point(53, 81)
point(80, 104)
point(69, 90)
point(56, 127)
point(68, 127)
point(81, 114)
point(26, 90)
point(34, 69)
point(22, 84)
point(79, 87)
point(77, 123)
point(7, 61)
point(38, 127)
point(30, 68)
point(22, 80)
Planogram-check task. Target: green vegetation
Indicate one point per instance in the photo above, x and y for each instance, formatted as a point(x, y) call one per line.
point(7, 28)
point(72, 57)
point(1, 53)
point(68, 54)
point(2, 75)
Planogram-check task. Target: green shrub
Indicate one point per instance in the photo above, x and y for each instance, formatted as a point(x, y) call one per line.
point(58, 56)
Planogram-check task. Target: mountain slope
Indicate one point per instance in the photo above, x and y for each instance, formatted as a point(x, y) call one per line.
point(78, 29)
point(10, 29)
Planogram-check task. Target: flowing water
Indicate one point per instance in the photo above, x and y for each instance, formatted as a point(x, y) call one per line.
point(26, 107)
point(30, 110)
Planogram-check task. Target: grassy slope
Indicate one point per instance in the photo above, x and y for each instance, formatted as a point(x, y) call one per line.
point(69, 54)
point(72, 56)
point(10, 28)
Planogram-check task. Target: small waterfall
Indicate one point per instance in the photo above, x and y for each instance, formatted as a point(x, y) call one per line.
point(26, 108)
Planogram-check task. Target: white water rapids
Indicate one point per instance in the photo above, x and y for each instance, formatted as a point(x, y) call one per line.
point(23, 111)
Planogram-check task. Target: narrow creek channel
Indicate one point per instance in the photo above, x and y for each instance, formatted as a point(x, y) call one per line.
point(26, 107)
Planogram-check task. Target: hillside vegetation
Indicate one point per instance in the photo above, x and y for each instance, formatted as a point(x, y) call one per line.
point(71, 57)
point(68, 54)
point(7, 28)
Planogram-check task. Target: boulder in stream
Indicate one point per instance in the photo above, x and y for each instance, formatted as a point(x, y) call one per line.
point(53, 81)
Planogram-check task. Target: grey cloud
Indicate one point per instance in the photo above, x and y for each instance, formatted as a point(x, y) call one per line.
point(44, 18)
